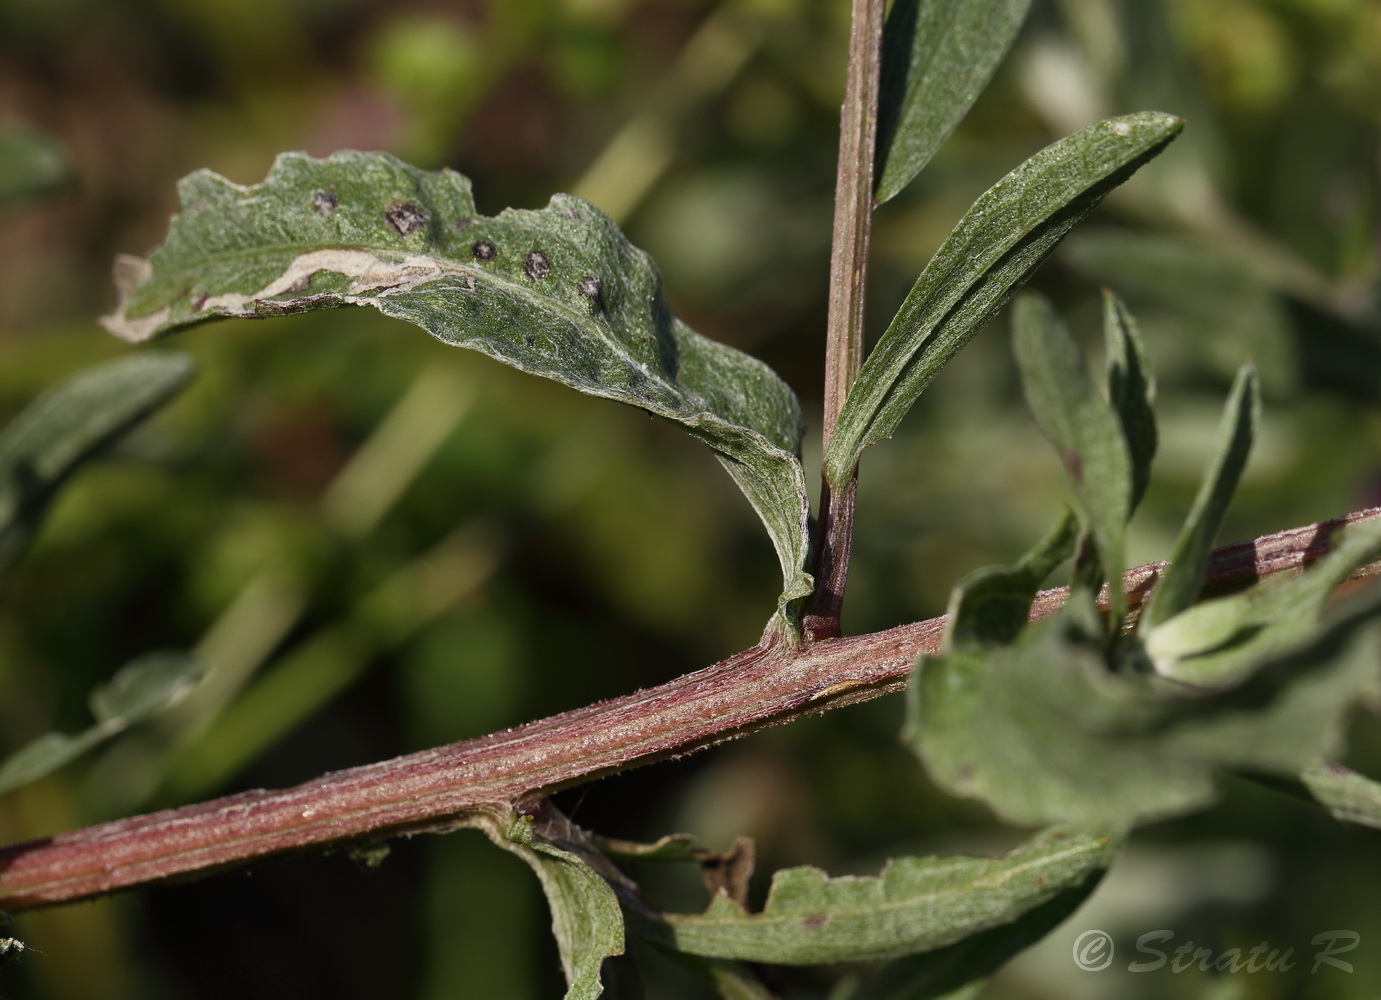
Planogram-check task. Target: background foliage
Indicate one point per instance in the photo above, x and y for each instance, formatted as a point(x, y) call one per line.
point(388, 545)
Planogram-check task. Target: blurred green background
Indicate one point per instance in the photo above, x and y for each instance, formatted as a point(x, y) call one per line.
point(381, 544)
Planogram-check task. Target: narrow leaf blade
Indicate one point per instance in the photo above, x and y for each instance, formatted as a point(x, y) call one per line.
point(69, 424)
point(1132, 390)
point(140, 689)
point(1004, 236)
point(145, 687)
point(937, 57)
point(1082, 426)
point(916, 904)
point(558, 292)
point(1182, 580)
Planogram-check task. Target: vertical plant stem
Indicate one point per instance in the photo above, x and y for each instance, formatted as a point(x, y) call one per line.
point(853, 217)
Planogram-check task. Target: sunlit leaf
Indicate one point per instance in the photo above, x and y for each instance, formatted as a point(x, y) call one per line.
point(1131, 389)
point(1043, 730)
point(1218, 641)
point(68, 424)
point(140, 690)
point(1181, 581)
point(937, 57)
point(558, 292)
point(916, 904)
point(1004, 236)
point(1083, 427)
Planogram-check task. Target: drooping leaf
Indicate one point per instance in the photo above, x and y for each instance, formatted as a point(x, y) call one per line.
point(959, 970)
point(67, 425)
point(1131, 389)
point(1044, 731)
point(32, 165)
point(916, 904)
point(1004, 236)
point(937, 57)
point(585, 914)
point(138, 691)
point(991, 605)
point(1181, 581)
point(1084, 429)
point(558, 292)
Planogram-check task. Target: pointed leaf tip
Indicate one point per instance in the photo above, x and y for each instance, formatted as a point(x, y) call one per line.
point(998, 243)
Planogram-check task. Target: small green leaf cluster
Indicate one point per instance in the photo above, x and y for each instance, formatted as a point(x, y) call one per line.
point(1098, 716)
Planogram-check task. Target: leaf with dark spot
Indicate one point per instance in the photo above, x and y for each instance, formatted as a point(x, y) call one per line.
point(246, 248)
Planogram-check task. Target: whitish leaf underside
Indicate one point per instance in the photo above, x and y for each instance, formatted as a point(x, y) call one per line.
point(557, 292)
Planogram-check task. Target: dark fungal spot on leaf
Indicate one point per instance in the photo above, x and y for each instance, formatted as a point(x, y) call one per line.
point(464, 222)
point(815, 920)
point(593, 289)
point(325, 202)
point(535, 265)
point(529, 342)
point(406, 218)
point(199, 302)
point(484, 250)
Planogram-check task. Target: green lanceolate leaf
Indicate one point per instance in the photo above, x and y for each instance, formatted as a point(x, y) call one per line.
point(1009, 230)
point(585, 914)
point(937, 57)
point(916, 904)
point(140, 690)
point(1082, 426)
point(990, 606)
point(1181, 581)
point(557, 292)
point(68, 424)
point(960, 969)
point(1044, 731)
point(1131, 389)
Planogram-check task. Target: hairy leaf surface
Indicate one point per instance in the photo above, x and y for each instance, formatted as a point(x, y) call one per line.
point(959, 970)
point(585, 914)
point(1043, 730)
point(1181, 581)
point(937, 57)
point(138, 691)
point(1004, 236)
point(916, 904)
point(67, 425)
point(1131, 389)
point(558, 292)
point(1084, 429)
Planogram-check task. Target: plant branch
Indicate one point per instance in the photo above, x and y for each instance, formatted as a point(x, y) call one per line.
point(853, 218)
point(436, 789)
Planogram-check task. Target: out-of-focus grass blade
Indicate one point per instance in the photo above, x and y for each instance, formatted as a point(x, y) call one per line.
point(67, 425)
